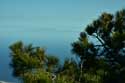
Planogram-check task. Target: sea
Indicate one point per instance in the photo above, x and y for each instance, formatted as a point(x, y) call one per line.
point(55, 41)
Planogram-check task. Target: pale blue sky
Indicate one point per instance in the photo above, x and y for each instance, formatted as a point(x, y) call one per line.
point(46, 19)
point(70, 15)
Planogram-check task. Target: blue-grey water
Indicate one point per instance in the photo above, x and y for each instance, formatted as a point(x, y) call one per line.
point(56, 41)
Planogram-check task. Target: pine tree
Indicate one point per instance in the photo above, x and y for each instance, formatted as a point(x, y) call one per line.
point(101, 49)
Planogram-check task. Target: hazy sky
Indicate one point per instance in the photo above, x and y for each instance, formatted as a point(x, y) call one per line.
point(54, 24)
point(53, 14)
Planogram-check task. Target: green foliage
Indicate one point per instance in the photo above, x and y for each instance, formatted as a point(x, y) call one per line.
point(100, 62)
point(37, 76)
point(103, 62)
point(52, 63)
point(31, 64)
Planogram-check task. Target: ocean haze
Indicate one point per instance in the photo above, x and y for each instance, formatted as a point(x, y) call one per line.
point(51, 24)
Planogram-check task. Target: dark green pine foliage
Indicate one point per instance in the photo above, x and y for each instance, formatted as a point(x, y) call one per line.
point(102, 61)
point(100, 48)
point(31, 64)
